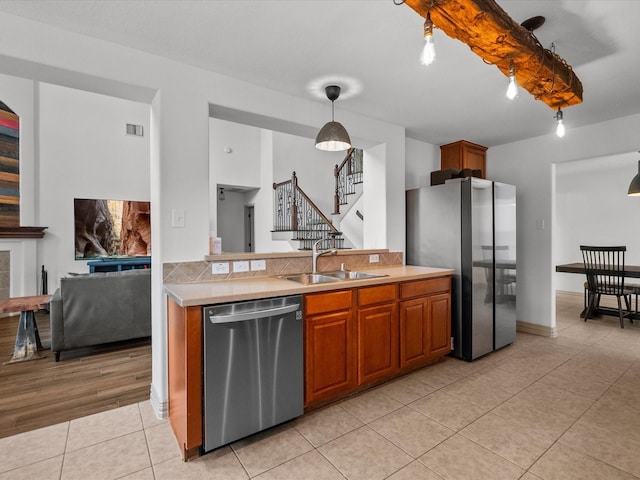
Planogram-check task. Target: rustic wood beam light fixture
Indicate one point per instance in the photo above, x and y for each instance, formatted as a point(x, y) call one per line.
point(496, 38)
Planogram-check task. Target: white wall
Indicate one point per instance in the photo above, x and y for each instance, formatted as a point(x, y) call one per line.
point(84, 153)
point(180, 97)
point(234, 153)
point(592, 208)
point(528, 164)
point(421, 159)
point(374, 198)
point(234, 159)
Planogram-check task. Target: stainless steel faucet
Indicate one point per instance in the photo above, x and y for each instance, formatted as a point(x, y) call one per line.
point(316, 253)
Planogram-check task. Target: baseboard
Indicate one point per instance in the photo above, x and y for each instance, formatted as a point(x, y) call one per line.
point(161, 408)
point(566, 292)
point(536, 329)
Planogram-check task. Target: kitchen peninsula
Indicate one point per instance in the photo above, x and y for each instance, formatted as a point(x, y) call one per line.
point(357, 333)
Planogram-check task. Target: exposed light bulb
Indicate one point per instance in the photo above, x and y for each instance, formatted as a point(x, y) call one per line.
point(512, 89)
point(560, 130)
point(429, 50)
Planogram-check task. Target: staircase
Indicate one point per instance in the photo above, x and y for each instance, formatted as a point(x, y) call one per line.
point(347, 175)
point(293, 211)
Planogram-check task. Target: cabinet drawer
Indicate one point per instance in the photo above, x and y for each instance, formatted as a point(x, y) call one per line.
point(425, 287)
point(327, 302)
point(377, 294)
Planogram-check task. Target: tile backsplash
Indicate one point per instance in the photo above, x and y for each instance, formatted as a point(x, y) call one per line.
point(276, 264)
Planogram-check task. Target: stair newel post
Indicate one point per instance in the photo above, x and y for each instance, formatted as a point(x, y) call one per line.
point(336, 197)
point(294, 202)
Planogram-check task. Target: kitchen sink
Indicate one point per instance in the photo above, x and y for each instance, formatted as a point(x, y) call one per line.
point(352, 274)
point(326, 277)
point(310, 278)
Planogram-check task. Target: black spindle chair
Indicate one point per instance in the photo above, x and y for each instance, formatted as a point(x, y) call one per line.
point(604, 267)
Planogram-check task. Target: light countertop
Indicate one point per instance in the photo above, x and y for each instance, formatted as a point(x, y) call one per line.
point(208, 293)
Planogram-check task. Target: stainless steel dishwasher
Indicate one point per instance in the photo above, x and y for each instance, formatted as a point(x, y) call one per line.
point(253, 367)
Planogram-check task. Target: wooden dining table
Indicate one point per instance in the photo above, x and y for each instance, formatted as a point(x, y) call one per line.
point(630, 271)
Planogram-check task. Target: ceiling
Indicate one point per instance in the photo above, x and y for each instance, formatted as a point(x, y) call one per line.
point(371, 47)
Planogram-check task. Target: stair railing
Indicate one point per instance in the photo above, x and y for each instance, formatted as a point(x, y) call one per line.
point(347, 175)
point(295, 211)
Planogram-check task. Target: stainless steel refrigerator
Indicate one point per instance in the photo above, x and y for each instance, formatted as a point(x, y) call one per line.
point(469, 225)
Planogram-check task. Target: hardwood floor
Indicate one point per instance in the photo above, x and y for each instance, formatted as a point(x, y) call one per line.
point(41, 392)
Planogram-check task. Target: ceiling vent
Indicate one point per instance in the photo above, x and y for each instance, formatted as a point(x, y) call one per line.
point(134, 130)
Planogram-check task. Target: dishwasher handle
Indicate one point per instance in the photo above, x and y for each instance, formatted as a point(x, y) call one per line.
point(253, 314)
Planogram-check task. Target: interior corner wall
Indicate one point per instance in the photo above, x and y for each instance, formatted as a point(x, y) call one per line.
point(421, 159)
point(527, 164)
point(85, 153)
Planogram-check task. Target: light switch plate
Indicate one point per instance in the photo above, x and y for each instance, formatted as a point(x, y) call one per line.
point(242, 266)
point(258, 265)
point(177, 218)
point(220, 267)
point(374, 258)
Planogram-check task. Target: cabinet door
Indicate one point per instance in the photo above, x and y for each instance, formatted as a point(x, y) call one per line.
point(439, 326)
point(474, 158)
point(377, 342)
point(414, 335)
point(329, 355)
point(425, 329)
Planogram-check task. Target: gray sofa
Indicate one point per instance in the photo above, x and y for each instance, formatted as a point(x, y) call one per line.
point(92, 309)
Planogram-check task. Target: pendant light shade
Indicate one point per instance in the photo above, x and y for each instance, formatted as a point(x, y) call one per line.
point(333, 137)
point(634, 188)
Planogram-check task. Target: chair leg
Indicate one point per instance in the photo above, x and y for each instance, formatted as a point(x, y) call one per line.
point(592, 301)
point(620, 312)
point(627, 301)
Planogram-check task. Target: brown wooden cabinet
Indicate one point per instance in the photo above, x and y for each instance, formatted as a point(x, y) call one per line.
point(439, 323)
point(364, 336)
point(463, 154)
point(425, 321)
point(184, 333)
point(377, 333)
point(414, 336)
point(329, 345)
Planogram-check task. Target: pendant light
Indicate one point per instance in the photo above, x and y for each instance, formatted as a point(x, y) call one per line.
point(333, 137)
point(634, 187)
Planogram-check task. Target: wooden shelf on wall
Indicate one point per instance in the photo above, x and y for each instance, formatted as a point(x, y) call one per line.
point(22, 232)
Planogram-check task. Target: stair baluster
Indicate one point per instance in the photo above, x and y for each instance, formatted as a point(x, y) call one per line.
point(295, 211)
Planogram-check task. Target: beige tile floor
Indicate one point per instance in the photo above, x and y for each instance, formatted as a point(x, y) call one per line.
point(562, 408)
